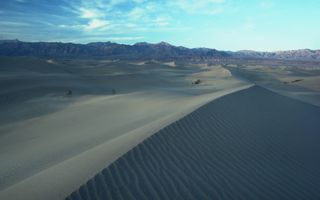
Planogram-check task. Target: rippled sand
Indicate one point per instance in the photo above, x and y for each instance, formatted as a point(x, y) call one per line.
point(252, 144)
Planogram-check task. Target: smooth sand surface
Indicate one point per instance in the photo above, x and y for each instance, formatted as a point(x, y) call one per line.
point(298, 82)
point(251, 144)
point(52, 143)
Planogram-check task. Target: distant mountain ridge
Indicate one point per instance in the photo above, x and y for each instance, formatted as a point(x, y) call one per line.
point(301, 54)
point(106, 50)
point(141, 51)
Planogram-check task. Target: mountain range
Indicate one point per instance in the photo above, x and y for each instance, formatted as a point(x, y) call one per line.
point(301, 54)
point(141, 51)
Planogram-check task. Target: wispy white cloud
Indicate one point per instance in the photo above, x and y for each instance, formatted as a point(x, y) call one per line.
point(137, 13)
point(171, 20)
point(100, 13)
point(89, 13)
point(120, 17)
point(162, 21)
point(96, 24)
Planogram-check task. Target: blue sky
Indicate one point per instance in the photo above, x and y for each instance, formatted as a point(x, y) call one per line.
point(221, 24)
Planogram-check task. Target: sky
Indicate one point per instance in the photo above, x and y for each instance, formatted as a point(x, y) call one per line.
point(263, 25)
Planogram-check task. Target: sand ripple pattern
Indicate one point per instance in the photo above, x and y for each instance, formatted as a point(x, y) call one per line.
point(252, 144)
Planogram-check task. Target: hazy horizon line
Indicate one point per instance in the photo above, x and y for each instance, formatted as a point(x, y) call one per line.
point(154, 43)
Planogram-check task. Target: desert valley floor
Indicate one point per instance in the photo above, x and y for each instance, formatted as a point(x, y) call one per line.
point(110, 129)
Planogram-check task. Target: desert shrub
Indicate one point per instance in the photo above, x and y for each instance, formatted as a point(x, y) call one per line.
point(198, 81)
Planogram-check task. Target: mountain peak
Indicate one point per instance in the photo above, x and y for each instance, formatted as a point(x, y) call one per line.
point(142, 44)
point(162, 43)
point(152, 44)
point(100, 43)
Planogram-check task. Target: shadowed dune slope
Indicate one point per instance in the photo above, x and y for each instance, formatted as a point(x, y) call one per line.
point(252, 144)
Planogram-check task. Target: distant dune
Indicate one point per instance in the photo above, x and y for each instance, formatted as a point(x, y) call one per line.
point(252, 144)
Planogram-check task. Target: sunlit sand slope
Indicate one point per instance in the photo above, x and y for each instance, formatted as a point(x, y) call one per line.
point(252, 144)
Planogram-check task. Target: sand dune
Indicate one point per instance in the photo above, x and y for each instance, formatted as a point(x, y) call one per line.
point(252, 144)
point(170, 64)
point(82, 139)
point(213, 71)
point(298, 82)
point(52, 143)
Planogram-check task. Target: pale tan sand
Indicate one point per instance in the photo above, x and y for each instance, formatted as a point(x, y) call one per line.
point(308, 82)
point(49, 156)
point(51, 61)
point(298, 82)
point(170, 64)
point(59, 180)
point(138, 63)
point(213, 72)
point(248, 145)
point(202, 65)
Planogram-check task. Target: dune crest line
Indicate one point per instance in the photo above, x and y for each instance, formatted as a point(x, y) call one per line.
point(75, 171)
point(251, 144)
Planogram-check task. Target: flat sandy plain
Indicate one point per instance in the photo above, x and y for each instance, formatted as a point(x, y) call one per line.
point(247, 143)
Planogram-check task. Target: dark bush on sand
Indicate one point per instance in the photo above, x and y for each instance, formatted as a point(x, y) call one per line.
point(198, 81)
